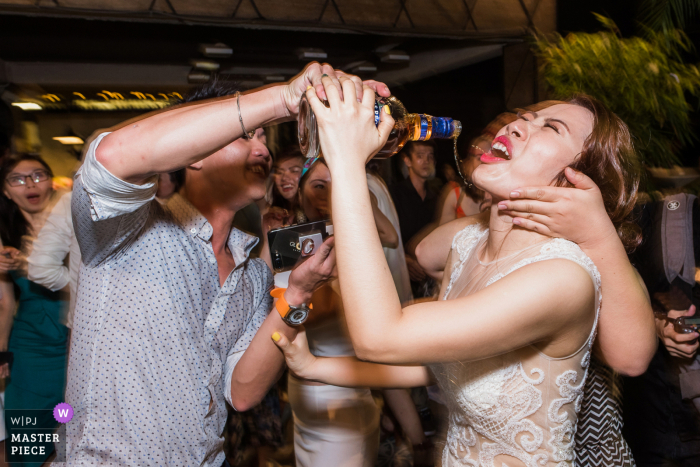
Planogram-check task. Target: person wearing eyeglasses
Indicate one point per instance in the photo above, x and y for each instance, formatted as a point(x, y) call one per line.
point(36, 336)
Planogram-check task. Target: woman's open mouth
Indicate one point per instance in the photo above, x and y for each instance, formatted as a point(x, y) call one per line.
point(500, 151)
point(34, 198)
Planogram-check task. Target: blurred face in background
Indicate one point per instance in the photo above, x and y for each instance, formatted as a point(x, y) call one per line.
point(31, 196)
point(472, 160)
point(286, 175)
point(316, 193)
point(421, 161)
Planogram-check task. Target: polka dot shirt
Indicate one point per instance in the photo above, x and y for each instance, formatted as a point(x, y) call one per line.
point(154, 333)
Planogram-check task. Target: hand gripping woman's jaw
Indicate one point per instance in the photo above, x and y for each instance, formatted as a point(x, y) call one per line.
point(534, 149)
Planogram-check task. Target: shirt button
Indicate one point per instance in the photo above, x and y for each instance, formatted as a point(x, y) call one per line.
point(193, 230)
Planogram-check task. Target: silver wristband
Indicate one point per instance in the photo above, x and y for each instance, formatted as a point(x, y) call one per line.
point(246, 134)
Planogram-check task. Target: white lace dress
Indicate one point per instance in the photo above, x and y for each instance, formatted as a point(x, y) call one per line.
point(519, 408)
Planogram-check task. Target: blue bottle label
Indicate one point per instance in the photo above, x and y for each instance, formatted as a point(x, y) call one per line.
point(377, 110)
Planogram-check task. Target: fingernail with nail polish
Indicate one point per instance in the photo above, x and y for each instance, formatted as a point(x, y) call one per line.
point(276, 336)
point(387, 109)
point(324, 75)
point(309, 87)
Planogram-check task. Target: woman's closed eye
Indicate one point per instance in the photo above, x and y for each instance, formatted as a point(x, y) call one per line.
point(549, 125)
point(522, 117)
point(546, 125)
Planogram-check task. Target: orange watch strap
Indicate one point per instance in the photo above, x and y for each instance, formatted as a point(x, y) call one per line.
point(282, 305)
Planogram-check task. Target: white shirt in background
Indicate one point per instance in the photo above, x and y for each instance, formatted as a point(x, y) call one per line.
point(56, 240)
point(395, 257)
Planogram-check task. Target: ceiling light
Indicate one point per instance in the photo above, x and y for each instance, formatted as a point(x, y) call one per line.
point(364, 67)
point(68, 139)
point(217, 50)
point(27, 105)
point(395, 56)
point(311, 54)
point(198, 77)
point(206, 65)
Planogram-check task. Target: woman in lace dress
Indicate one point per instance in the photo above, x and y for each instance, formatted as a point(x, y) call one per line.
point(510, 342)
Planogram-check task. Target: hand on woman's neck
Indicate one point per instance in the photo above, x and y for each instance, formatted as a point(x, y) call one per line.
point(505, 238)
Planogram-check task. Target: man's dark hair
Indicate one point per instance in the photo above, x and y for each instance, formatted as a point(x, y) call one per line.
point(216, 87)
point(407, 150)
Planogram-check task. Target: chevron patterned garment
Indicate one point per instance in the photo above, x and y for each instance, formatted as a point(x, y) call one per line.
point(599, 440)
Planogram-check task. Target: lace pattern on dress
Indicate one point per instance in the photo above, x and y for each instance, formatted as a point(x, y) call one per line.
point(497, 406)
point(492, 401)
point(463, 243)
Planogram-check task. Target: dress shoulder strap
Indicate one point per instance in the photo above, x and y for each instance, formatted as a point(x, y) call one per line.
point(462, 245)
point(464, 241)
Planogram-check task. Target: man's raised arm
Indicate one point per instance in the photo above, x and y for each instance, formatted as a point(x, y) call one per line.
point(184, 135)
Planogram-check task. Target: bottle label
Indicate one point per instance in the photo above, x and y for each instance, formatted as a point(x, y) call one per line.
point(424, 127)
point(377, 110)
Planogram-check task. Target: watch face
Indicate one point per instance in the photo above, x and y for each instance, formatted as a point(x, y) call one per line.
point(296, 317)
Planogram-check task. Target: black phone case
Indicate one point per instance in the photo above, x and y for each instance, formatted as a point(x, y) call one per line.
point(285, 250)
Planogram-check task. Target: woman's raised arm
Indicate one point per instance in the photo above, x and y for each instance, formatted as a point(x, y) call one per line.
point(528, 306)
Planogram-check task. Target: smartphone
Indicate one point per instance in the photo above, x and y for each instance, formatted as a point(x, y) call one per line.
point(291, 244)
point(6, 357)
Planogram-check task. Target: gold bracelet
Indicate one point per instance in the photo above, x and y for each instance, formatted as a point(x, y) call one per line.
point(246, 134)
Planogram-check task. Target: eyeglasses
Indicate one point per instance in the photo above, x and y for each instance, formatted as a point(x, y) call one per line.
point(36, 176)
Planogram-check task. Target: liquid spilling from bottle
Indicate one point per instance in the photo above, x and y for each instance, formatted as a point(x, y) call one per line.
point(407, 127)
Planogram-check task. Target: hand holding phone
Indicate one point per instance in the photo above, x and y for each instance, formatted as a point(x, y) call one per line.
point(289, 245)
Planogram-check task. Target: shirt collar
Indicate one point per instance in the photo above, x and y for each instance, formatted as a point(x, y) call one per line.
point(408, 185)
point(196, 225)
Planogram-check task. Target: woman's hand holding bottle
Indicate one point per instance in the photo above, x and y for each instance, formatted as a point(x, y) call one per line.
point(349, 137)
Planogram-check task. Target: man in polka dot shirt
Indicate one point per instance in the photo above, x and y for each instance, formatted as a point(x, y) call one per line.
point(169, 305)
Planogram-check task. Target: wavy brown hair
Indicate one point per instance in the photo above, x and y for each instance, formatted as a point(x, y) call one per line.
point(608, 157)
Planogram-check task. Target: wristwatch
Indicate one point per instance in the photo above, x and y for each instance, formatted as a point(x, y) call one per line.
point(292, 315)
